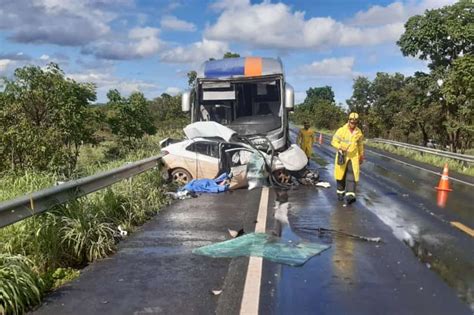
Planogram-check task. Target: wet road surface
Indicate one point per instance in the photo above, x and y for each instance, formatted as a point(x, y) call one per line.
point(353, 276)
point(403, 197)
point(155, 272)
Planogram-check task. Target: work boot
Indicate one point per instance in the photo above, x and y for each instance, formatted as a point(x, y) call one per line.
point(340, 197)
point(350, 199)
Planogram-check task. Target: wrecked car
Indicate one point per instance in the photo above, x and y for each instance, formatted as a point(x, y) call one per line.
point(212, 149)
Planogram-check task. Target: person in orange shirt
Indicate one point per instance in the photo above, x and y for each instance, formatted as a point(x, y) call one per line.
point(306, 140)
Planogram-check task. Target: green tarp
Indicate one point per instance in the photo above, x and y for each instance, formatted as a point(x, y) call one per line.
point(262, 245)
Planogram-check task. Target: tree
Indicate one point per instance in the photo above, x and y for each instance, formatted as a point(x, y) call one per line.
point(458, 92)
point(387, 100)
point(130, 118)
point(166, 112)
point(445, 36)
point(441, 35)
point(362, 98)
point(192, 75)
point(230, 55)
point(422, 106)
point(44, 119)
point(316, 94)
point(320, 109)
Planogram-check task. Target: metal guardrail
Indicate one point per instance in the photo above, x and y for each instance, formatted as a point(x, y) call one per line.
point(456, 156)
point(25, 206)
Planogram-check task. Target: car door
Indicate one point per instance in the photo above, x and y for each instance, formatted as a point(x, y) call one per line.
point(206, 159)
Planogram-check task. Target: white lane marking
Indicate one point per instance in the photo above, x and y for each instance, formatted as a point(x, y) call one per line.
point(421, 168)
point(251, 295)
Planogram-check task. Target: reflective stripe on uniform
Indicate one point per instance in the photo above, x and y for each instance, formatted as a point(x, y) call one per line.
point(350, 194)
point(341, 191)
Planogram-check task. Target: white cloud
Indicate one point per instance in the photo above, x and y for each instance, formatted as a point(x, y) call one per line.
point(196, 52)
point(173, 23)
point(105, 81)
point(44, 57)
point(141, 42)
point(225, 4)
point(5, 64)
point(396, 12)
point(69, 23)
point(278, 26)
point(331, 67)
point(173, 91)
point(270, 25)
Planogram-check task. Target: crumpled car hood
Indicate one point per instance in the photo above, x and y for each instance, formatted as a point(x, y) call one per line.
point(203, 129)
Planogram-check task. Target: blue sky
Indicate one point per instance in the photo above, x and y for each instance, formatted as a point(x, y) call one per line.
point(150, 45)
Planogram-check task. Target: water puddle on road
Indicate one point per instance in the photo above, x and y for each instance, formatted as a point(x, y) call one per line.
point(430, 246)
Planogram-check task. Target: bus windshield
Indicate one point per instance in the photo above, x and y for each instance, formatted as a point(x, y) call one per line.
point(247, 107)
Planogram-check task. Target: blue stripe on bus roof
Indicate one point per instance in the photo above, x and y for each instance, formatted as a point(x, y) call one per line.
point(224, 68)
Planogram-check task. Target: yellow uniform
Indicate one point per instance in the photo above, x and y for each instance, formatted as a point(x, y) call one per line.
point(305, 140)
point(352, 142)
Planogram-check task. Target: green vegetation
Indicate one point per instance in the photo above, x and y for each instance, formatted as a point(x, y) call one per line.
point(20, 285)
point(319, 109)
point(44, 119)
point(129, 118)
point(437, 105)
point(73, 235)
point(50, 132)
point(425, 158)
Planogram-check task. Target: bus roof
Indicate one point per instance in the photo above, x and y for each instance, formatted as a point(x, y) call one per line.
point(240, 67)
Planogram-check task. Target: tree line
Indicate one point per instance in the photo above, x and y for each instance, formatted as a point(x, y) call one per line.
point(46, 117)
point(436, 105)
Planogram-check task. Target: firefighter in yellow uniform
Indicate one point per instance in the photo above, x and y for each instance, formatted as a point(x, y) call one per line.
point(306, 140)
point(348, 141)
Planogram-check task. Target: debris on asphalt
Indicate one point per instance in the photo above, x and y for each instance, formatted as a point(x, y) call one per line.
point(235, 234)
point(181, 195)
point(321, 231)
point(256, 172)
point(323, 184)
point(310, 177)
point(216, 292)
point(122, 232)
point(266, 246)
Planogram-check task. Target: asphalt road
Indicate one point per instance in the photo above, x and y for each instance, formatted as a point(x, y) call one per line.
point(402, 195)
point(154, 271)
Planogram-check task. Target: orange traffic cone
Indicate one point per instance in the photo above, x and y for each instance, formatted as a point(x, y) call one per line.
point(442, 198)
point(320, 138)
point(443, 184)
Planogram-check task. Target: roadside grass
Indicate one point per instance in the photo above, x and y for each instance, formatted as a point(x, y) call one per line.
point(425, 158)
point(45, 251)
point(432, 159)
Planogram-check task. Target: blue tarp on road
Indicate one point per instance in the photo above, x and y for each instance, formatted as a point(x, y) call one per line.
point(207, 185)
point(265, 246)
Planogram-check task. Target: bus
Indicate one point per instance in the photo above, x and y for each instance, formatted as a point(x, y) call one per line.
point(248, 95)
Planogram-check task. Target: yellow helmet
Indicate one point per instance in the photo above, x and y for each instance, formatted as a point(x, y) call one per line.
point(353, 116)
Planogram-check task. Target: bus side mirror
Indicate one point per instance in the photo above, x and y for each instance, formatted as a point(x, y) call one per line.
point(289, 97)
point(186, 101)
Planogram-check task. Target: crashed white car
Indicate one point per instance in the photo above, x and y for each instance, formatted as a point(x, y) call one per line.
point(209, 151)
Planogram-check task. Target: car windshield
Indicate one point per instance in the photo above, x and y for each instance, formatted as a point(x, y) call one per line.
point(246, 107)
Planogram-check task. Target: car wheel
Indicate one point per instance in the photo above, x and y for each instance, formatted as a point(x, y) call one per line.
point(282, 176)
point(181, 176)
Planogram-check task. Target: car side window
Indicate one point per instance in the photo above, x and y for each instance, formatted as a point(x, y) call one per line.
point(207, 148)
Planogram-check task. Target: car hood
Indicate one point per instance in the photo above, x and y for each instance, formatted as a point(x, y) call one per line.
point(203, 129)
